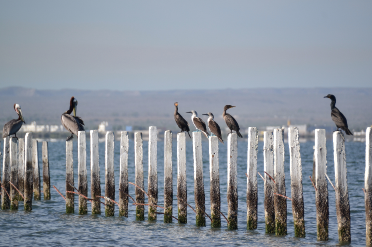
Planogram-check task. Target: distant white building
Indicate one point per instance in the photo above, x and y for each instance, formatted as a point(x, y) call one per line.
point(102, 127)
point(33, 127)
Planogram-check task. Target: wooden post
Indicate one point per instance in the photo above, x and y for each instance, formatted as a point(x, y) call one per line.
point(232, 181)
point(198, 179)
point(69, 177)
point(296, 183)
point(152, 173)
point(82, 172)
point(181, 178)
point(28, 186)
point(268, 152)
point(36, 169)
point(21, 166)
point(140, 196)
point(168, 177)
point(5, 188)
point(252, 178)
point(109, 174)
point(214, 174)
point(321, 193)
point(280, 203)
point(123, 180)
point(95, 181)
point(13, 173)
point(46, 173)
point(368, 186)
point(341, 191)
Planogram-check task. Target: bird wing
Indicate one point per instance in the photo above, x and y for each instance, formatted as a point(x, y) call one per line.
point(80, 123)
point(181, 122)
point(12, 127)
point(338, 118)
point(199, 124)
point(231, 122)
point(71, 123)
point(215, 129)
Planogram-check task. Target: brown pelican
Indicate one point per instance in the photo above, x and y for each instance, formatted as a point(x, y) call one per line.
point(198, 122)
point(337, 116)
point(213, 126)
point(180, 121)
point(230, 121)
point(14, 125)
point(73, 124)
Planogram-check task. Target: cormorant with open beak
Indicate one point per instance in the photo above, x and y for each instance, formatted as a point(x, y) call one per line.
point(198, 123)
point(213, 126)
point(230, 121)
point(14, 125)
point(180, 121)
point(73, 124)
point(337, 116)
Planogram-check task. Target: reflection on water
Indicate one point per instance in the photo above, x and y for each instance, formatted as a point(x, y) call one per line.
point(48, 223)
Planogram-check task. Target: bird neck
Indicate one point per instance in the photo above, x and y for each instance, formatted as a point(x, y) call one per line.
point(176, 110)
point(224, 112)
point(70, 110)
point(333, 104)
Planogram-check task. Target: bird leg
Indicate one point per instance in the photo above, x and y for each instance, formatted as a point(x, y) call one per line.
point(15, 136)
point(70, 137)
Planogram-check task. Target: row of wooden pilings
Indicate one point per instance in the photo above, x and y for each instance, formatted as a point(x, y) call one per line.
point(21, 173)
point(275, 203)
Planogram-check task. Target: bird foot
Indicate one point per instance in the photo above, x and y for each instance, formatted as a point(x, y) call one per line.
point(69, 138)
point(15, 137)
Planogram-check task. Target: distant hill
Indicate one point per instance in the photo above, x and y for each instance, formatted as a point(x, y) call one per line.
point(254, 107)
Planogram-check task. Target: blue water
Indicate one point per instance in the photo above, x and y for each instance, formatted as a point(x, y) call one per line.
point(48, 224)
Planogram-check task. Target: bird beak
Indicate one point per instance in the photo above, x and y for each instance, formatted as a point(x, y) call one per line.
point(205, 114)
point(189, 112)
point(325, 96)
point(75, 110)
point(20, 115)
point(232, 106)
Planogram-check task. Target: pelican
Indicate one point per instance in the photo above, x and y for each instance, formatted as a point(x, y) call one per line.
point(14, 125)
point(180, 121)
point(73, 124)
point(337, 116)
point(213, 126)
point(230, 121)
point(198, 122)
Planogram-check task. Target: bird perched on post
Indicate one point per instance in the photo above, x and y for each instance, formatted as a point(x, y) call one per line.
point(73, 124)
point(230, 121)
point(337, 116)
point(198, 123)
point(14, 125)
point(213, 126)
point(180, 121)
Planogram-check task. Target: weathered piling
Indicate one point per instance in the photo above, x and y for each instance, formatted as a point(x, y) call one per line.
point(36, 169)
point(69, 177)
point(123, 180)
point(268, 153)
point(321, 193)
point(214, 174)
point(341, 190)
point(280, 203)
point(5, 188)
point(296, 183)
point(368, 186)
point(168, 177)
point(21, 166)
point(198, 179)
point(13, 173)
point(181, 178)
point(109, 174)
point(46, 173)
point(140, 195)
point(152, 173)
point(82, 172)
point(232, 181)
point(252, 178)
point(95, 182)
point(28, 180)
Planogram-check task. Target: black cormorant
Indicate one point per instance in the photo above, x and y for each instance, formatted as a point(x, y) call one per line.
point(198, 122)
point(230, 121)
point(213, 126)
point(73, 124)
point(14, 125)
point(180, 121)
point(337, 116)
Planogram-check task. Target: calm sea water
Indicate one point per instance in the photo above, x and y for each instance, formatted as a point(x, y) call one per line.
point(48, 224)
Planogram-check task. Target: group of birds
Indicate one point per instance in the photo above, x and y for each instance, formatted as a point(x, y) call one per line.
point(74, 124)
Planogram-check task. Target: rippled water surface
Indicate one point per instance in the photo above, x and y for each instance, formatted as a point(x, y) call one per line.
point(48, 224)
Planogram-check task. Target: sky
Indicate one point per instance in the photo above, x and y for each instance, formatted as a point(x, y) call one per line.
point(171, 45)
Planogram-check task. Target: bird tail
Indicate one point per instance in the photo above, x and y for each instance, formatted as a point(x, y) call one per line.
point(189, 134)
point(219, 138)
point(240, 135)
point(206, 134)
point(348, 132)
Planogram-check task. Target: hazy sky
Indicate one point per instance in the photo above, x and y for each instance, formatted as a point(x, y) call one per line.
point(160, 45)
